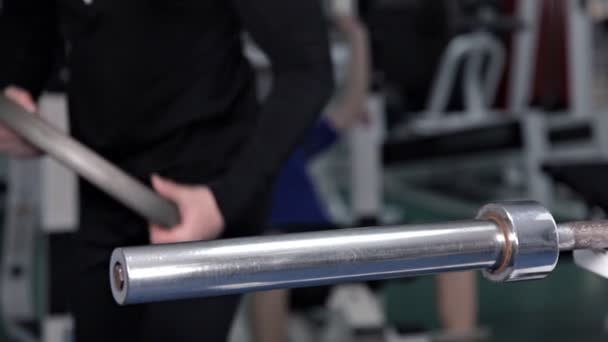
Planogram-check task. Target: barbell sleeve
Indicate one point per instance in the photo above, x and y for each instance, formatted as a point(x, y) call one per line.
point(509, 241)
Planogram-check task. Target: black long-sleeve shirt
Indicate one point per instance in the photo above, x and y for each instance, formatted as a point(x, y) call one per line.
point(163, 85)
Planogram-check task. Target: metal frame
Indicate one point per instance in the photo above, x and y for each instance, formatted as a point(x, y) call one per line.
point(580, 43)
point(536, 126)
point(21, 227)
point(524, 53)
point(468, 51)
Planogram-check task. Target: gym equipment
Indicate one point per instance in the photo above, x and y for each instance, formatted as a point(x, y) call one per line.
point(89, 165)
point(480, 87)
point(17, 263)
point(510, 241)
point(512, 144)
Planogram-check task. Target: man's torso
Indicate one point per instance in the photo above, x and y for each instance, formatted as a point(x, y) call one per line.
point(157, 85)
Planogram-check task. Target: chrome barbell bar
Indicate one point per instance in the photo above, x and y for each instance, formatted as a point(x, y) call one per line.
point(509, 241)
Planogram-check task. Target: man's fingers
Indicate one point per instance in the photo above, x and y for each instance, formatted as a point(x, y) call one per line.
point(166, 188)
point(11, 143)
point(160, 235)
point(22, 98)
point(173, 192)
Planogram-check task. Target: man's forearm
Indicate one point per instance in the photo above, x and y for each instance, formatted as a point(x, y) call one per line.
point(294, 35)
point(290, 111)
point(352, 100)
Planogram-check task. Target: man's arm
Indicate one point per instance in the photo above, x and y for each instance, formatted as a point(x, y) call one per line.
point(28, 36)
point(350, 106)
point(294, 35)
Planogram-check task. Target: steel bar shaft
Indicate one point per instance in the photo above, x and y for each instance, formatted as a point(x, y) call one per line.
point(583, 235)
point(156, 273)
point(92, 167)
point(509, 241)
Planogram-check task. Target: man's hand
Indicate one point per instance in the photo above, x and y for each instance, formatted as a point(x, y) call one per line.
point(10, 143)
point(200, 214)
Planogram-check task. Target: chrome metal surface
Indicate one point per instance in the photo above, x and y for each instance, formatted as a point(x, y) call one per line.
point(510, 241)
point(566, 238)
point(532, 246)
point(165, 272)
point(89, 165)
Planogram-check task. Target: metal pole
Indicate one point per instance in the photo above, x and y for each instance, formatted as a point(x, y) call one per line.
point(222, 267)
point(524, 51)
point(92, 167)
point(580, 58)
point(592, 235)
point(509, 241)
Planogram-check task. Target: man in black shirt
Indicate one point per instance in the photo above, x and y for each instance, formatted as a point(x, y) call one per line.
point(162, 87)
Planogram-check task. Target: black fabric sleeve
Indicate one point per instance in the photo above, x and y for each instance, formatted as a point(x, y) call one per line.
point(28, 36)
point(294, 35)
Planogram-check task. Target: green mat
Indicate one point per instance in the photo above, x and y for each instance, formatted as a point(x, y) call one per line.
point(570, 306)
